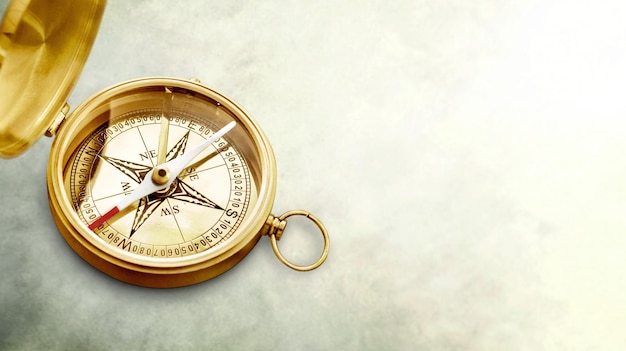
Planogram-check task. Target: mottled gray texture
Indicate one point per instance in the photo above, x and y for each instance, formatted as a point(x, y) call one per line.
point(467, 158)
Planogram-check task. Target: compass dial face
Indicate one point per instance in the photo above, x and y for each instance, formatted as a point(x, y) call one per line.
point(200, 210)
point(193, 229)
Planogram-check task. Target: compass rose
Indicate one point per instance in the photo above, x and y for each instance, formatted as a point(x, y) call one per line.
point(178, 190)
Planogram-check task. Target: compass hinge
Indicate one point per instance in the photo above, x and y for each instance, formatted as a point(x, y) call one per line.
point(4, 43)
point(52, 130)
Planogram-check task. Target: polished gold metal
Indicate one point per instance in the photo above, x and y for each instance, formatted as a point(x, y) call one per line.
point(8, 27)
point(202, 224)
point(161, 175)
point(276, 226)
point(13, 16)
point(45, 45)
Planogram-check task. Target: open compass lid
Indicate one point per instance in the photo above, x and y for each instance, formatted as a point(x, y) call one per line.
point(44, 45)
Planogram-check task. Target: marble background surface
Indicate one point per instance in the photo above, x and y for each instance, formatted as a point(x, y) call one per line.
point(467, 158)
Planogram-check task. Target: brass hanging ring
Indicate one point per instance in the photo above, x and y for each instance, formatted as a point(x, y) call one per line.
point(275, 236)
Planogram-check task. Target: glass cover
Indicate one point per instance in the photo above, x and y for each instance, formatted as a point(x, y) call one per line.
point(112, 142)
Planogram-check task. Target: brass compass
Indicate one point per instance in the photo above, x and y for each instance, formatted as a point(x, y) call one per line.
point(158, 182)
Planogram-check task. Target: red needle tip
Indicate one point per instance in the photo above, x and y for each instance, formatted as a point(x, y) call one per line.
point(104, 218)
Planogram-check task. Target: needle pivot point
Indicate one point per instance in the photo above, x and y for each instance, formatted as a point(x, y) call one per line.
point(161, 175)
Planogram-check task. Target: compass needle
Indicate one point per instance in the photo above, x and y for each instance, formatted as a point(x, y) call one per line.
point(162, 176)
point(165, 126)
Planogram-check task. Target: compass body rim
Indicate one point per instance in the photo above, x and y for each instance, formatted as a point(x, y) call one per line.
point(146, 272)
